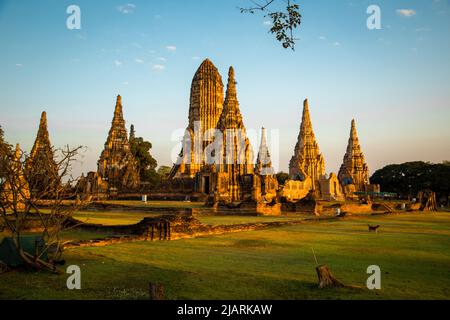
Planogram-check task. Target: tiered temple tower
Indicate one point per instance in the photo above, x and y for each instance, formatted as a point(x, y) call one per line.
point(307, 160)
point(117, 165)
point(236, 149)
point(41, 168)
point(205, 108)
point(354, 169)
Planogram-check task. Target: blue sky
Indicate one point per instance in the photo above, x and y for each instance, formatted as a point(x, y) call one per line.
point(394, 81)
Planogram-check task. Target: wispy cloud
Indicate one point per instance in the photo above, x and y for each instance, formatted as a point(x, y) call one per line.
point(322, 38)
point(171, 48)
point(406, 12)
point(267, 23)
point(126, 8)
point(162, 59)
point(19, 65)
point(337, 44)
point(118, 63)
point(158, 67)
point(196, 58)
point(139, 60)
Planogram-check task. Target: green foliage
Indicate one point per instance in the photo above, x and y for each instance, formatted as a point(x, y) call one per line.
point(284, 22)
point(282, 177)
point(164, 171)
point(146, 163)
point(411, 177)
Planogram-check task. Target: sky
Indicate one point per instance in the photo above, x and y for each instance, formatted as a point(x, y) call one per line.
point(395, 81)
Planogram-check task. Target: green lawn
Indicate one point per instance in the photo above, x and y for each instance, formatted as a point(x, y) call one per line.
point(120, 218)
point(155, 204)
point(224, 220)
point(113, 218)
point(412, 250)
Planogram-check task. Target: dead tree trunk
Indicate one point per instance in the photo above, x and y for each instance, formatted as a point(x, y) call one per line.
point(326, 279)
point(156, 291)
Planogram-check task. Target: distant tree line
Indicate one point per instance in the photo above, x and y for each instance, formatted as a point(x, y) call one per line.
point(407, 179)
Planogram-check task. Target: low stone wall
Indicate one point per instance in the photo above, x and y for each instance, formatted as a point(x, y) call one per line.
point(310, 207)
point(244, 209)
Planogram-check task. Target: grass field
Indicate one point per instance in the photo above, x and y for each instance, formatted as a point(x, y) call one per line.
point(155, 204)
point(413, 252)
point(119, 218)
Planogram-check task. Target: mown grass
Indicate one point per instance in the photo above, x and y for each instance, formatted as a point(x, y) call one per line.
point(121, 218)
point(412, 251)
point(155, 204)
point(112, 218)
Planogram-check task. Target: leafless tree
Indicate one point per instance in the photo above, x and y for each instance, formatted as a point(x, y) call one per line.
point(45, 210)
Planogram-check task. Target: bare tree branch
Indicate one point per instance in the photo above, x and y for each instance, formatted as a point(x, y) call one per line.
point(46, 208)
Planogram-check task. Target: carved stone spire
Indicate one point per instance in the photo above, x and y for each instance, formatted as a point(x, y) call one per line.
point(354, 169)
point(236, 150)
point(42, 142)
point(117, 165)
point(307, 160)
point(40, 166)
point(206, 101)
point(118, 137)
point(118, 114)
point(231, 117)
point(264, 162)
point(205, 108)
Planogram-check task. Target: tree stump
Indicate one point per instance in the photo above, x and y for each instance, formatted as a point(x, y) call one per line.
point(156, 291)
point(3, 267)
point(326, 279)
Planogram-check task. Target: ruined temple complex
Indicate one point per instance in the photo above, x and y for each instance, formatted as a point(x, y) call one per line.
point(217, 163)
point(217, 159)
